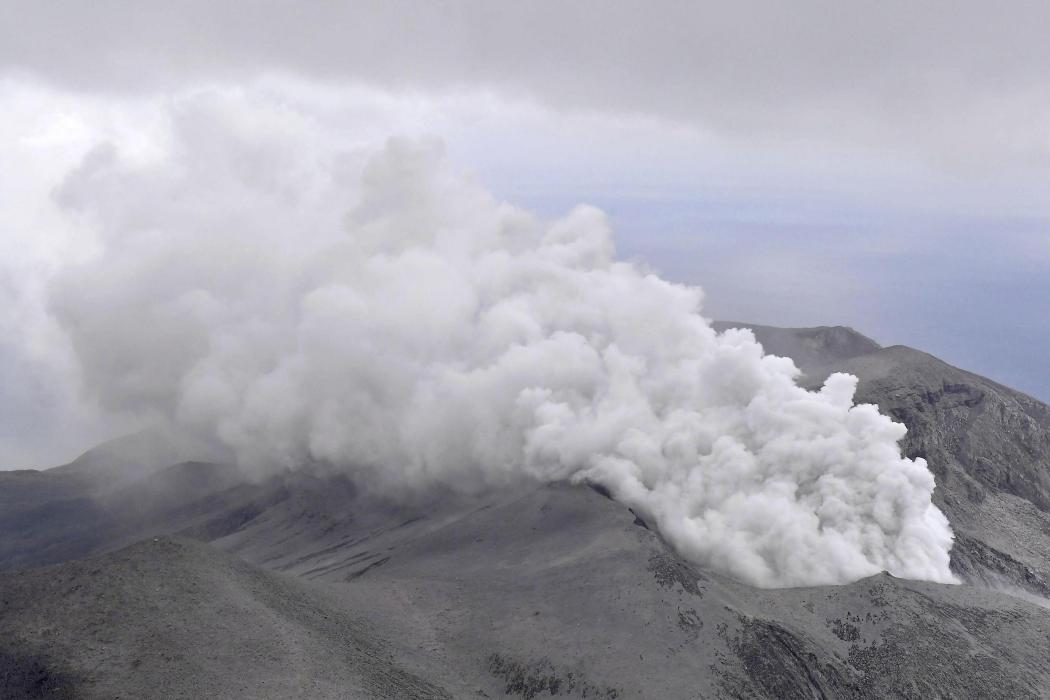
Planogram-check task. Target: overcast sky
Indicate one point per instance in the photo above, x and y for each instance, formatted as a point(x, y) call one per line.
point(884, 165)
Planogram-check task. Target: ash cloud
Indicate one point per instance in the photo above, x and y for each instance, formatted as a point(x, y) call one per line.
point(377, 311)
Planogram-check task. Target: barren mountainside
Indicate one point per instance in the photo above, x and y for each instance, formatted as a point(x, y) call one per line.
point(132, 574)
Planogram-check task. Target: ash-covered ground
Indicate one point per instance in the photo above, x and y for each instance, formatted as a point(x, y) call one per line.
point(129, 573)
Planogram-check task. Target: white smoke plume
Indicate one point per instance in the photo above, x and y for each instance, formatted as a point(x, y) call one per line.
point(377, 311)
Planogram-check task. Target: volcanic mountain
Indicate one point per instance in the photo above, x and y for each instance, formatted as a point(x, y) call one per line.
point(130, 573)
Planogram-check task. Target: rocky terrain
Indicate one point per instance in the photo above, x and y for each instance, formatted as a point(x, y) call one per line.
point(131, 574)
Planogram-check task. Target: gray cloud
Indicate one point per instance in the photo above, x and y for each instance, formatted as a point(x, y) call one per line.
point(961, 84)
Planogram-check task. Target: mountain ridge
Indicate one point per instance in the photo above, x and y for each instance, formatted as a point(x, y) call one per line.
point(550, 589)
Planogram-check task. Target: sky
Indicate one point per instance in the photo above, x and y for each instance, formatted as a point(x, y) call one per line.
point(882, 165)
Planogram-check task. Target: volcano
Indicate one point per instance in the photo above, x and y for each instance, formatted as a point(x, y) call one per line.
point(132, 572)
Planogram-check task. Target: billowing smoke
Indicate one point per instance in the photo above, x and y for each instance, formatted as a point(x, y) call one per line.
point(376, 311)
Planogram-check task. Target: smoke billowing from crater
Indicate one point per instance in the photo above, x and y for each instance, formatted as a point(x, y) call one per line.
point(377, 311)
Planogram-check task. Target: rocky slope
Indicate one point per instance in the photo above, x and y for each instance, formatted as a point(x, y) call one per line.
point(309, 588)
point(989, 448)
point(987, 445)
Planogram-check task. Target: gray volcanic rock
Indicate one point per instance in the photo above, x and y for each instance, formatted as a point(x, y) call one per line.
point(309, 587)
point(561, 588)
point(548, 591)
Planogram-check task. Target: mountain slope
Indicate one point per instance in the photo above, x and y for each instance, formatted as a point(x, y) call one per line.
point(537, 591)
point(989, 449)
point(559, 585)
point(174, 618)
point(987, 445)
point(553, 590)
point(51, 516)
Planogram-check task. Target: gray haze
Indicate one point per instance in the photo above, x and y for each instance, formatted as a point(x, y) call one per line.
point(958, 82)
